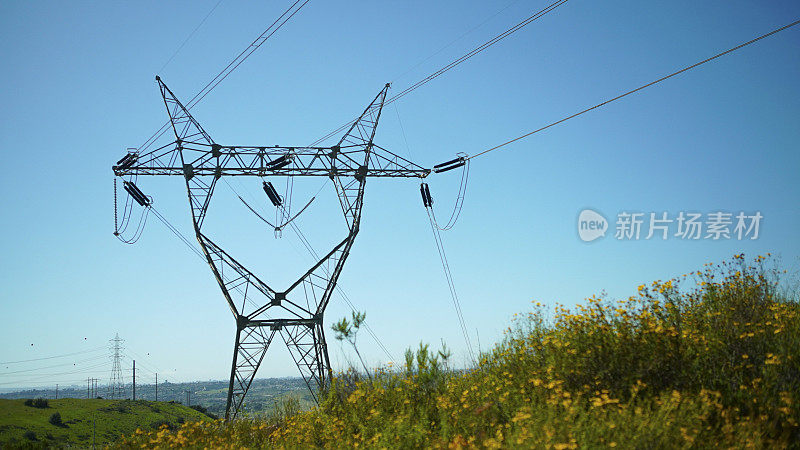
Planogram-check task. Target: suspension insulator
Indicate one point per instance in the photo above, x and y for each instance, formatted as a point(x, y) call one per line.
point(428, 194)
point(277, 163)
point(127, 161)
point(281, 165)
point(427, 200)
point(272, 194)
point(449, 165)
point(137, 194)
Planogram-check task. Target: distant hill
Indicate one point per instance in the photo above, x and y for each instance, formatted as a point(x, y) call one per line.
point(84, 421)
point(213, 395)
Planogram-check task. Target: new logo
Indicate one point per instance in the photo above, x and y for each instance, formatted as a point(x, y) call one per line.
point(591, 225)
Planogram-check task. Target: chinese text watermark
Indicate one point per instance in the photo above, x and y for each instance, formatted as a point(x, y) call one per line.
point(632, 226)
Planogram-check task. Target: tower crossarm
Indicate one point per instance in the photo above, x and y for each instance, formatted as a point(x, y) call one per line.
point(213, 160)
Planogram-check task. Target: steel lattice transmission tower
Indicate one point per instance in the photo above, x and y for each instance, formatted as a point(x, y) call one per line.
point(299, 307)
point(116, 387)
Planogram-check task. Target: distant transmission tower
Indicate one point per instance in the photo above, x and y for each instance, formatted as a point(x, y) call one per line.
point(116, 387)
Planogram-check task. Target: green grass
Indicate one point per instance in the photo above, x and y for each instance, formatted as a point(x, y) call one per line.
point(710, 359)
point(111, 419)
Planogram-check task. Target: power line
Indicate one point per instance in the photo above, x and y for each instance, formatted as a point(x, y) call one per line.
point(177, 233)
point(454, 63)
point(459, 204)
point(449, 277)
point(55, 356)
point(82, 370)
point(54, 366)
point(303, 240)
point(141, 364)
point(455, 40)
point(194, 249)
point(72, 384)
point(236, 62)
point(478, 49)
point(638, 89)
point(189, 37)
point(403, 130)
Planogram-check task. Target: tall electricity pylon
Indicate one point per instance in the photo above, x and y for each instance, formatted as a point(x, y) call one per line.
point(300, 306)
point(116, 387)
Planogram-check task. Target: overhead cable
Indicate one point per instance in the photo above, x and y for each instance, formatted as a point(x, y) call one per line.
point(238, 60)
point(189, 37)
point(453, 64)
point(55, 356)
point(637, 89)
point(449, 278)
point(303, 240)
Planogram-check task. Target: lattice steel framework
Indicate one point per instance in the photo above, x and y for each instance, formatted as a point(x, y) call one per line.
point(116, 385)
point(254, 304)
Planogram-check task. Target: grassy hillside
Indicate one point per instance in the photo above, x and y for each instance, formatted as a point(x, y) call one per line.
point(22, 425)
point(708, 359)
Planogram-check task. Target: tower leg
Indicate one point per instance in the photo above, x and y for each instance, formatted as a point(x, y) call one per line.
point(233, 375)
point(306, 343)
point(323, 349)
point(252, 342)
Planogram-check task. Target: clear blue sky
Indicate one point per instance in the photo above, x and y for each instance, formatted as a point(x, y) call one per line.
point(78, 89)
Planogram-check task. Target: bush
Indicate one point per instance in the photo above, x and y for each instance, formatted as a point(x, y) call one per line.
point(203, 410)
point(55, 419)
point(199, 408)
point(162, 425)
point(123, 406)
point(729, 332)
point(30, 435)
point(37, 403)
point(678, 365)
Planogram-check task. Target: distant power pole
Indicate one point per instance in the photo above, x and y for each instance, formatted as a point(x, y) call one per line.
point(56, 391)
point(116, 388)
point(156, 386)
point(91, 387)
point(134, 379)
point(188, 397)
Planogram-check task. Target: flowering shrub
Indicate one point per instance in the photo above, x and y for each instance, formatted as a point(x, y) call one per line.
point(711, 358)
